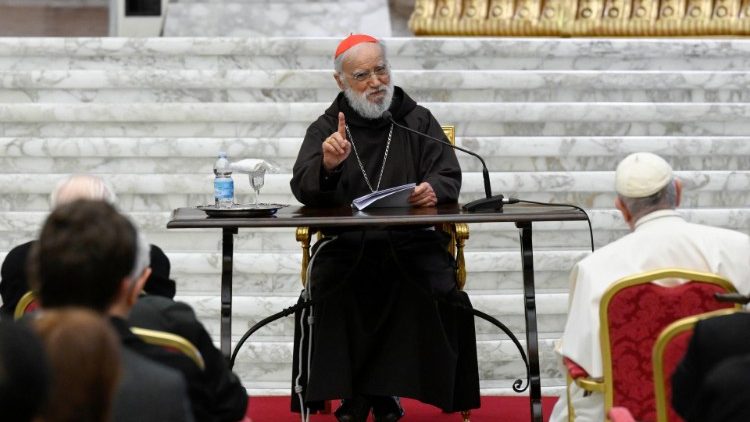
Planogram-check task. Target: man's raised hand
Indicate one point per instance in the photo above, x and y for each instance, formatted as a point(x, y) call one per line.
point(336, 147)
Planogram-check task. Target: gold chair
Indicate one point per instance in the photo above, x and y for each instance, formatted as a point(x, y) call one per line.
point(171, 342)
point(669, 348)
point(627, 337)
point(459, 232)
point(25, 305)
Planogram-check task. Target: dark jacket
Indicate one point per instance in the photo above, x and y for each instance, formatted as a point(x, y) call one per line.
point(228, 398)
point(200, 399)
point(714, 340)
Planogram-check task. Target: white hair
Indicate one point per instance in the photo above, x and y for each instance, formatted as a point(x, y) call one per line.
point(81, 186)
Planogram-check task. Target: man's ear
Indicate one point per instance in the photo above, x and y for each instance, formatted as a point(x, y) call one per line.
point(626, 215)
point(137, 286)
point(339, 82)
point(678, 192)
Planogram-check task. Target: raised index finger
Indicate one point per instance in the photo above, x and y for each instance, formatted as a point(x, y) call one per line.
point(342, 125)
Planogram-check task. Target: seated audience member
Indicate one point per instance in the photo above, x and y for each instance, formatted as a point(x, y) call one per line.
point(724, 395)
point(155, 312)
point(24, 373)
point(13, 278)
point(647, 196)
point(90, 256)
point(714, 341)
point(84, 354)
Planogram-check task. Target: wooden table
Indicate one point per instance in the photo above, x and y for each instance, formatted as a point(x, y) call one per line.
point(378, 218)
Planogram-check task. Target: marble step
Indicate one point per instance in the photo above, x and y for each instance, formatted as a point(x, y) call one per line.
point(271, 95)
point(158, 85)
point(406, 53)
point(291, 120)
point(532, 153)
point(261, 363)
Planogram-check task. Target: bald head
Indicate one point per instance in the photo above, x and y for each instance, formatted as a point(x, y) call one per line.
point(81, 186)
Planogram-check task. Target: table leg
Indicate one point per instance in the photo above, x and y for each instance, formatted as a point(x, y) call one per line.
point(227, 253)
point(532, 341)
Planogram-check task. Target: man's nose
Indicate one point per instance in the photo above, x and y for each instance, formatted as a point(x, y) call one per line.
point(373, 80)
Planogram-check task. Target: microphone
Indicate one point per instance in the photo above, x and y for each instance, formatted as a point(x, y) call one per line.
point(489, 203)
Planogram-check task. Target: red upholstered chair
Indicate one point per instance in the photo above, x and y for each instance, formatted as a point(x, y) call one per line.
point(633, 312)
point(669, 349)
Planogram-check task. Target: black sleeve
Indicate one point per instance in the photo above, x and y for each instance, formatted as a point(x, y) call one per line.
point(227, 400)
point(687, 377)
point(13, 284)
point(310, 183)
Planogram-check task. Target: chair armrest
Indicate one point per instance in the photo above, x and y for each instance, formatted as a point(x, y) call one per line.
point(303, 236)
point(459, 234)
point(582, 378)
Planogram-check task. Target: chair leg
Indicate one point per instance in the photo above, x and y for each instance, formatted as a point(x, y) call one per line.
point(466, 415)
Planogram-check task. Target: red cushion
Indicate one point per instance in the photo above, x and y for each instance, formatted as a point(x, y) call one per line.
point(620, 414)
point(574, 370)
point(637, 315)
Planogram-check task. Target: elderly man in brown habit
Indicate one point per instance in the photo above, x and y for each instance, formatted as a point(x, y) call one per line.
point(389, 323)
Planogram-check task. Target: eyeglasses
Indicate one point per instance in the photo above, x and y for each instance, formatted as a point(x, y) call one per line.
point(364, 75)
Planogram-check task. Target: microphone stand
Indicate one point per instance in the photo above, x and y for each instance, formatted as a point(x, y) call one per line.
point(489, 202)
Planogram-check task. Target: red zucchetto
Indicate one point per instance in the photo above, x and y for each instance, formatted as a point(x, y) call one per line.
point(351, 41)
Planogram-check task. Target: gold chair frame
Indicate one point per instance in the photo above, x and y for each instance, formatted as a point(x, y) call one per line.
point(605, 385)
point(173, 341)
point(27, 299)
point(665, 337)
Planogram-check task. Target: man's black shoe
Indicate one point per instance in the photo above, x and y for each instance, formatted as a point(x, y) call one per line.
point(353, 410)
point(386, 408)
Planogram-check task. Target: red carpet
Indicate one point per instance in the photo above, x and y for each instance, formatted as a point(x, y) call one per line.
point(495, 409)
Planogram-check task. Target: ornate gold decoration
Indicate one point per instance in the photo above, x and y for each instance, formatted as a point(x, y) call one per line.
point(571, 18)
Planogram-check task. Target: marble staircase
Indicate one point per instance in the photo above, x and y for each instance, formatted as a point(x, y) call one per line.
point(551, 116)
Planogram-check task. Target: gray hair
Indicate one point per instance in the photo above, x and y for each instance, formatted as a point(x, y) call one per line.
point(81, 186)
point(666, 198)
point(142, 255)
point(338, 62)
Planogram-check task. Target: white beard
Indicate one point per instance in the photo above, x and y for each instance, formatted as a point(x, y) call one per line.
point(367, 108)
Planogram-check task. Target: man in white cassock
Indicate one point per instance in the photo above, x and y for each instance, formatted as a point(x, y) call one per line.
point(647, 196)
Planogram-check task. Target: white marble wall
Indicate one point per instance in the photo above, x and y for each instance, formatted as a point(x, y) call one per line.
point(550, 116)
point(272, 18)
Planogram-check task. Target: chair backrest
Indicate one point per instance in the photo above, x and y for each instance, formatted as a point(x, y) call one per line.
point(25, 305)
point(669, 349)
point(171, 342)
point(633, 311)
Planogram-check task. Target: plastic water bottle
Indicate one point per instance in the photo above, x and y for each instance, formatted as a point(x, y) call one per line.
point(223, 183)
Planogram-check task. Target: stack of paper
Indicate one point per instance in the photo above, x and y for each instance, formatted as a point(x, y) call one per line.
point(397, 196)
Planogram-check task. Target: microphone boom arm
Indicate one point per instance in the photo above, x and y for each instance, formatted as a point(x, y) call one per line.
point(489, 202)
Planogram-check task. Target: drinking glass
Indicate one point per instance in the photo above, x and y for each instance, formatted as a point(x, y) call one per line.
point(256, 181)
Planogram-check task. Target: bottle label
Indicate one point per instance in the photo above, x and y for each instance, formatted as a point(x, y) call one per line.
point(224, 189)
